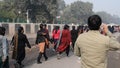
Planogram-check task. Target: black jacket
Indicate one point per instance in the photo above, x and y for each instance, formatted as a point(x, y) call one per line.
point(19, 51)
point(40, 37)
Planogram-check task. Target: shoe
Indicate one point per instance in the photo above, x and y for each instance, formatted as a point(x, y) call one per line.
point(21, 66)
point(16, 65)
point(67, 55)
point(58, 56)
point(38, 59)
point(39, 62)
point(46, 58)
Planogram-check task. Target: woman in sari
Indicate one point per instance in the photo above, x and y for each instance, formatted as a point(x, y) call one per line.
point(65, 41)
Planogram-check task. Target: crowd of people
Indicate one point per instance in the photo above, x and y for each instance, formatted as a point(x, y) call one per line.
point(84, 41)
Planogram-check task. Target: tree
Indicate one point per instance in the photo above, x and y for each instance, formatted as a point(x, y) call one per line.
point(107, 18)
point(40, 10)
point(61, 6)
point(4, 8)
point(77, 12)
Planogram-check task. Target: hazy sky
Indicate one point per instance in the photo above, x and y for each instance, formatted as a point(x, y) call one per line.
point(110, 6)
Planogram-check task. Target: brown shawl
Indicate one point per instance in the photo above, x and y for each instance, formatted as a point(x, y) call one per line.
point(15, 41)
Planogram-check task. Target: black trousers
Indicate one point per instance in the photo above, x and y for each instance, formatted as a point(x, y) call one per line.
point(67, 50)
point(55, 43)
point(19, 60)
point(20, 56)
point(73, 43)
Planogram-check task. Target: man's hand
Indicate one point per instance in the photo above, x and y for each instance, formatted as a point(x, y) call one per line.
point(104, 28)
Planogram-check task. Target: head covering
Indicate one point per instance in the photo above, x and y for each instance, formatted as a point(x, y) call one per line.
point(66, 26)
point(20, 29)
point(41, 26)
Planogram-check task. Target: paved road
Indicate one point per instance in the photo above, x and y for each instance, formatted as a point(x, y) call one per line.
point(31, 57)
point(65, 62)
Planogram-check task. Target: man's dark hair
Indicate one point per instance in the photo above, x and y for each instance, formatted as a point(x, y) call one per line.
point(94, 22)
point(73, 27)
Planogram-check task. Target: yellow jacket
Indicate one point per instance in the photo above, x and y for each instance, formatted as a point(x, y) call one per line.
point(93, 47)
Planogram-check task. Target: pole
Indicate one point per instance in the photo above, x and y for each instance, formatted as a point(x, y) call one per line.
point(18, 20)
point(28, 16)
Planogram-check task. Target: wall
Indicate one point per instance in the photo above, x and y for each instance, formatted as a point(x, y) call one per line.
point(29, 29)
point(11, 28)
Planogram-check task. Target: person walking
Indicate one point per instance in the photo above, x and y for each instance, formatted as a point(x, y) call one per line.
point(46, 36)
point(19, 42)
point(4, 49)
point(80, 30)
point(65, 41)
point(55, 36)
point(40, 41)
point(73, 36)
point(92, 46)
